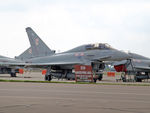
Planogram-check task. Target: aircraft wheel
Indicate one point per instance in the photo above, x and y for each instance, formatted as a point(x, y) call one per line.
point(94, 80)
point(46, 77)
point(49, 78)
point(13, 74)
point(100, 77)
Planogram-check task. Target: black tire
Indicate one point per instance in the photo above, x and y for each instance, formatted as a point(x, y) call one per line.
point(46, 77)
point(13, 74)
point(49, 77)
point(94, 79)
point(100, 77)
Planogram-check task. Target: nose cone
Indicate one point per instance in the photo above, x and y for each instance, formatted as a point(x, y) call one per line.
point(119, 55)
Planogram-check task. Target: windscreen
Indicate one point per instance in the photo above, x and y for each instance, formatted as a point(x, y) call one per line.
point(98, 46)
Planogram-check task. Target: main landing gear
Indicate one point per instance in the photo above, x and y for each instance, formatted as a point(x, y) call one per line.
point(48, 77)
point(13, 74)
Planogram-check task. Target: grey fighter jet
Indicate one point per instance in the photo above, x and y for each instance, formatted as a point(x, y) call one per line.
point(139, 66)
point(7, 68)
point(61, 65)
point(38, 48)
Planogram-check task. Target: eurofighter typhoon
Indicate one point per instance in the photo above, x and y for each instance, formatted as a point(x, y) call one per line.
point(61, 65)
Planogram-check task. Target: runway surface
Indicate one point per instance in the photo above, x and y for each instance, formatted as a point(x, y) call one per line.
point(73, 98)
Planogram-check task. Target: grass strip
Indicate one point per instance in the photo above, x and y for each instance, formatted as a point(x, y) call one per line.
point(60, 82)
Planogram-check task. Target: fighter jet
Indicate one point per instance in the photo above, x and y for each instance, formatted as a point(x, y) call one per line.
point(6, 68)
point(139, 66)
point(61, 65)
point(38, 48)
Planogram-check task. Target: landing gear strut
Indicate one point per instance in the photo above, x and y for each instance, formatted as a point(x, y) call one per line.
point(13, 74)
point(48, 77)
point(94, 79)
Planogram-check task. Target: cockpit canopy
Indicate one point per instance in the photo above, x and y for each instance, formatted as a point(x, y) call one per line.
point(97, 46)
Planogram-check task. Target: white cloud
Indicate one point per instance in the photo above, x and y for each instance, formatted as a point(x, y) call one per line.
point(64, 25)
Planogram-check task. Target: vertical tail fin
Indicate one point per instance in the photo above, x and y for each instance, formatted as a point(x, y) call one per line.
point(38, 47)
point(27, 54)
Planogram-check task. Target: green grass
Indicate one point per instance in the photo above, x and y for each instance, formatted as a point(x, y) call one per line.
point(30, 81)
point(60, 82)
point(126, 84)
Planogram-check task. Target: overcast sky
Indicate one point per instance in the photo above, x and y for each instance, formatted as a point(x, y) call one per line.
point(65, 24)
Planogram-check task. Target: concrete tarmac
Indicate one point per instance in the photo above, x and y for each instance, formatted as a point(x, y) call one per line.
point(73, 98)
